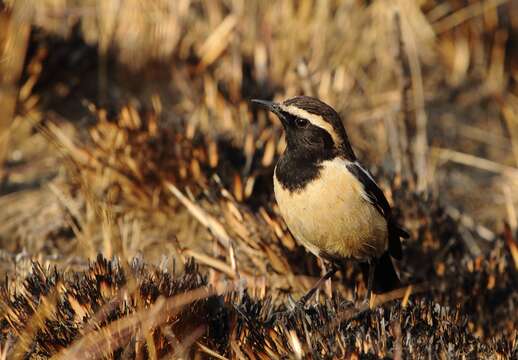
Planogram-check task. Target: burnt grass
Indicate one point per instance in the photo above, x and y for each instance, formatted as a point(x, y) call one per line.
point(469, 311)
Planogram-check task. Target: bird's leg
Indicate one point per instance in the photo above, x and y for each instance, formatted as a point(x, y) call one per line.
point(372, 269)
point(326, 287)
point(299, 305)
point(311, 291)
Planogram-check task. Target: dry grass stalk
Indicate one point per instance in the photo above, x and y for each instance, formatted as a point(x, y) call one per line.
point(13, 48)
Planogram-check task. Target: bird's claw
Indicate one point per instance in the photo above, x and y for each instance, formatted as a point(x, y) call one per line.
point(295, 309)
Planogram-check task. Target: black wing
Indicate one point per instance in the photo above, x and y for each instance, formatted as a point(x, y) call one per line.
point(376, 197)
point(374, 194)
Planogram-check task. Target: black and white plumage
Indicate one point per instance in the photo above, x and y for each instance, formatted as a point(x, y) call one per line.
point(331, 204)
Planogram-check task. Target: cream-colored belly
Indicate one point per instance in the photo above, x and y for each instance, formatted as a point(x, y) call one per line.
point(331, 216)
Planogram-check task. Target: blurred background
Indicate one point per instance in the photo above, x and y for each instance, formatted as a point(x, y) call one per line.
point(426, 89)
point(126, 129)
point(103, 101)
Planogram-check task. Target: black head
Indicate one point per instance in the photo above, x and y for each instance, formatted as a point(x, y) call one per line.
point(313, 128)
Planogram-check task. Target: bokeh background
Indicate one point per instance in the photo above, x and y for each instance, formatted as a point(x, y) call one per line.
point(126, 129)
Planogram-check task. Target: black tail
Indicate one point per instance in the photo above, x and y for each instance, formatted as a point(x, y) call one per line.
point(385, 276)
point(395, 234)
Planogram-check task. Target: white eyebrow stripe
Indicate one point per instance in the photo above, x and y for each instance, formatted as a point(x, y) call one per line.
point(313, 119)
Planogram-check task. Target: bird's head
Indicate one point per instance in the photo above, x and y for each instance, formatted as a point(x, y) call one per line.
point(312, 127)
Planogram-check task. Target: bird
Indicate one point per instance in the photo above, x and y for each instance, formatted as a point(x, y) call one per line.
point(330, 203)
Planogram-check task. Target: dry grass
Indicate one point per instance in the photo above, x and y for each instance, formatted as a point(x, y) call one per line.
point(133, 136)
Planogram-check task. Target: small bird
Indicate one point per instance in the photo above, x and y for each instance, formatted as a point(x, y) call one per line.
point(329, 201)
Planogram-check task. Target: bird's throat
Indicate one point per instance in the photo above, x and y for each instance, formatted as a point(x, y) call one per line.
point(295, 171)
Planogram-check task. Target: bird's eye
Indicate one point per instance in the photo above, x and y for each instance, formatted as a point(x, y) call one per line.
point(301, 123)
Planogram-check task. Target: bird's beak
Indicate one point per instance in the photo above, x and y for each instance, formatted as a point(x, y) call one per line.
point(273, 107)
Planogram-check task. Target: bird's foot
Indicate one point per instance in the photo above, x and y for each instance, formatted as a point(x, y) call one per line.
point(295, 308)
point(346, 304)
point(298, 305)
point(368, 301)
